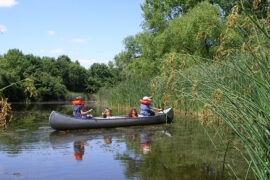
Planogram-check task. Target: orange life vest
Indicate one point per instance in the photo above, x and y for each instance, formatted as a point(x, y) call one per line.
point(146, 147)
point(78, 156)
point(132, 115)
point(145, 102)
point(79, 102)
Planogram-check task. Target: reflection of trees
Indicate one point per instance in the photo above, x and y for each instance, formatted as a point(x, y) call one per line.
point(25, 130)
point(131, 158)
point(15, 142)
point(133, 164)
point(188, 154)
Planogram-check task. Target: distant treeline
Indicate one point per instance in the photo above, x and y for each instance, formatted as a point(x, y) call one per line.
point(49, 79)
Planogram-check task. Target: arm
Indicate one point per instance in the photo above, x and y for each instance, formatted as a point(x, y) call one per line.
point(156, 109)
point(86, 112)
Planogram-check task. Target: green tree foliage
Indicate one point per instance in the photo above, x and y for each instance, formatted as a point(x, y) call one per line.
point(44, 79)
point(49, 66)
point(195, 32)
point(102, 75)
point(48, 88)
point(158, 13)
point(77, 78)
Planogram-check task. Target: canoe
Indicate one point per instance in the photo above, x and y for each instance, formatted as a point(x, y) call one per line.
point(60, 121)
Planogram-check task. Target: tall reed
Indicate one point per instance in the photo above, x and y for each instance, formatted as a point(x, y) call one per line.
point(126, 93)
point(237, 91)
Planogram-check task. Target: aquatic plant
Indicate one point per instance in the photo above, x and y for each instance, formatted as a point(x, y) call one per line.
point(5, 116)
point(235, 92)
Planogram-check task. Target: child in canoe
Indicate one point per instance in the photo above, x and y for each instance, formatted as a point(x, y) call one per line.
point(79, 109)
point(133, 113)
point(107, 113)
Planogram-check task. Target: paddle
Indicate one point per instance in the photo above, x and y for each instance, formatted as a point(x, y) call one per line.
point(160, 108)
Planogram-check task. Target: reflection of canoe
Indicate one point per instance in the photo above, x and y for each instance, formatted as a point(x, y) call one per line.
point(61, 138)
point(61, 122)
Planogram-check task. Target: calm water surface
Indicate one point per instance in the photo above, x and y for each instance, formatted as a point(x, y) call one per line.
point(30, 149)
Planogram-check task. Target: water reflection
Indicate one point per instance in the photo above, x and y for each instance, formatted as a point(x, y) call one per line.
point(78, 150)
point(146, 140)
point(107, 139)
point(178, 151)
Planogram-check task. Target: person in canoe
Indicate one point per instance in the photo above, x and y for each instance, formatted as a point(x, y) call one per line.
point(133, 113)
point(146, 107)
point(107, 113)
point(79, 109)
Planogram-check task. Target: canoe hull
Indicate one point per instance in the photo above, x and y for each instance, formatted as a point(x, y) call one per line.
point(59, 121)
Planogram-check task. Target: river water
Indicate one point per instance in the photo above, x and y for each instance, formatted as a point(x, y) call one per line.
point(30, 149)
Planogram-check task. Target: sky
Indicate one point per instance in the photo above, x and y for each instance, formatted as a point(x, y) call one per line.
point(89, 31)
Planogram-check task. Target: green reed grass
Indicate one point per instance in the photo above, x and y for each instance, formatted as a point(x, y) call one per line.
point(237, 91)
point(127, 93)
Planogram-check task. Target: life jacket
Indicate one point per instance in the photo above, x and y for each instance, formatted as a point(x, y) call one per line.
point(79, 102)
point(106, 114)
point(132, 115)
point(78, 156)
point(146, 147)
point(145, 102)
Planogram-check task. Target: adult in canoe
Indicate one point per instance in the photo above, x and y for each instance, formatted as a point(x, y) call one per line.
point(146, 107)
point(79, 109)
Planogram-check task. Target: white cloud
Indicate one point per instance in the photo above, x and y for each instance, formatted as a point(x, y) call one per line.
point(41, 50)
point(57, 51)
point(8, 3)
point(77, 40)
point(87, 62)
point(51, 33)
point(2, 28)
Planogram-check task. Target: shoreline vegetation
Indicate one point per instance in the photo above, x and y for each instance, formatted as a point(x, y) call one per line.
point(209, 57)
point(229, 88)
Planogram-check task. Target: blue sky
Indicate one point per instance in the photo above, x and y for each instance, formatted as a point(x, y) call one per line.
point(85, 30)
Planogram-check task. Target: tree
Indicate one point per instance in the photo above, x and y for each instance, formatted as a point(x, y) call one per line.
point(196, 32)
point(77, 78)
point(48, 88)
point(158, 13)
point(100, 71)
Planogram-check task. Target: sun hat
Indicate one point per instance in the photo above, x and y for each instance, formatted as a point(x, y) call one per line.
point(146, 98)
point(78, 98)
